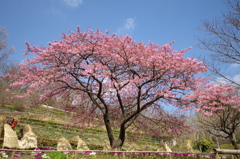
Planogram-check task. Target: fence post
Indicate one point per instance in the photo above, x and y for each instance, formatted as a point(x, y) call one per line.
point(170, 155)
point(217, 157)
point(75, 154)
point(123, 155)
point(12, 154)
point(198, 156)
point(234, 156)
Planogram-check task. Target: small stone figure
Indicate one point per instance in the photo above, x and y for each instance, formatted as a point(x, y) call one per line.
point(106, 146)
point(189, 147)
point(81, 144)
point(167, 149)
point(63, 143)
point(10, 137)
point(29, 139)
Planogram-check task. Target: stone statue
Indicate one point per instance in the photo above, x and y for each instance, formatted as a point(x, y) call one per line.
point(81, 144)
point(10, 137)
point(174, 142)
point(131, 148)
point(29, 139)
point(106, 146)
point(161, 148)
point(167, 149)
point(189, 147)
point(63, 143)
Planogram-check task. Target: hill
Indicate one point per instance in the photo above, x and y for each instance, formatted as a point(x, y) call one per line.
point(46, 122)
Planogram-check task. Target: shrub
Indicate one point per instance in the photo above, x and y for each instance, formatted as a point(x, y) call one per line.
point(56, 155)
point(226, 146)
point(238, 137)
point(95, 147)
point(205, 145)
point(46, 142)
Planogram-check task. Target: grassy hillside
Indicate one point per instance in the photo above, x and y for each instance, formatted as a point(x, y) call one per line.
point(47, 122)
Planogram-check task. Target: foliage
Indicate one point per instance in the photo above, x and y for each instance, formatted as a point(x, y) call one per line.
point(3, 155)
point(222, 124)
point(95, 147)
point(9, 108)
point(238, 138)
point(113, 155)
point(1, 141)
point(205, 145)
point(46, 142)
point(56, 155)
point(226, 146)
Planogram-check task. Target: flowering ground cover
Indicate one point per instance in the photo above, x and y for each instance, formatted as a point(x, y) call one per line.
point(47, 153)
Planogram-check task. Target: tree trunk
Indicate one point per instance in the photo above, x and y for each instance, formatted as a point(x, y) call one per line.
point(117, 144)
point(234, 142)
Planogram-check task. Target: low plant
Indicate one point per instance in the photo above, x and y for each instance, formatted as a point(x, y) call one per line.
point(204, 145)
point(56, 155)
point(3, 155)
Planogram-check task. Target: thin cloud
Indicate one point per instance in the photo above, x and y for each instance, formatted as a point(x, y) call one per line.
point(235, 65)
point(55, 11)
point(235, 78)
point(221, 81)
point(128, 26)
point(73, 3)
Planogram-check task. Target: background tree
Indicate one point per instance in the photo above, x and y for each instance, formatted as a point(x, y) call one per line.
point(222, 124)
point(222, 39)
point(117, 81)
point(5, 51)
point(5, 65)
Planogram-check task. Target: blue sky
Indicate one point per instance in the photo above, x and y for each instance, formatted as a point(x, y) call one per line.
point(161, 21)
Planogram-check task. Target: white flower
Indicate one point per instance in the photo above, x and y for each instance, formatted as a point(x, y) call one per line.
point(92, 153)
point(4, 155)
point(45, 156)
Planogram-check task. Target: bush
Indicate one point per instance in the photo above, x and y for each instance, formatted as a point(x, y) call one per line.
point(56, 155)
point(46, 142)
point(205, 145)
point(95, 147)
point(226, 146)
point(238, 138)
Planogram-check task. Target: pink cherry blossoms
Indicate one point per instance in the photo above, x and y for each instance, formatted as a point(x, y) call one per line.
point(112, 65)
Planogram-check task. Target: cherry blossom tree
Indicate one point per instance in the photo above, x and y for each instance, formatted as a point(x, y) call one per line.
point(117, 81)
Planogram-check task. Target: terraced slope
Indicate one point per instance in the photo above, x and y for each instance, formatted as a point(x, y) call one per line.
point(47, 122)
